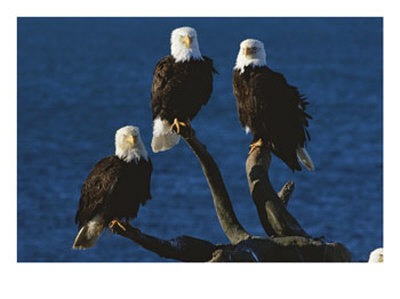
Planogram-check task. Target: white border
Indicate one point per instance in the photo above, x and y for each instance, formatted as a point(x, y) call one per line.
point(151, 280)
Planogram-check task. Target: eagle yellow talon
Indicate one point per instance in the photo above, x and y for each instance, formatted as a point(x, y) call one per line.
point(254, 145)
point(117, 222)
point(176, 124)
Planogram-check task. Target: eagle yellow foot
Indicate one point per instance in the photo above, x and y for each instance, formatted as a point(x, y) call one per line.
point(254, 145)
point(177, 125)
point(117, 222)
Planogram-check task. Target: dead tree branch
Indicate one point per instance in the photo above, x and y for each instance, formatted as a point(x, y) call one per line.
point(286, 192)
point(288, 242)
point(227, 218)
point(274, 217)
point(254, 249)
point(183, 248)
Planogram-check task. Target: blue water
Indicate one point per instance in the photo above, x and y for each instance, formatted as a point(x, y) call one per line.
point(80, 79)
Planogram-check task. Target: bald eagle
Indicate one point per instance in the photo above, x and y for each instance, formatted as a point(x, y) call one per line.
point(115, 188)
point(182, 83)
point(271, 109)
point(376, 256)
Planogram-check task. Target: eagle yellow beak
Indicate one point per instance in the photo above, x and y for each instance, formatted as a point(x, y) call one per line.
point(131, 140)
point(248, 51)
point(187, 41)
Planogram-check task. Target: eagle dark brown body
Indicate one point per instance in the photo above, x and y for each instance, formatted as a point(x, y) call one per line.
point(180, 88)
point(114, 189)
point(273, 111)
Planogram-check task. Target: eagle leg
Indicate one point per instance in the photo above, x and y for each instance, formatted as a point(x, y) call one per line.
point(177, 125)
point(254, 145)
point(115, 222)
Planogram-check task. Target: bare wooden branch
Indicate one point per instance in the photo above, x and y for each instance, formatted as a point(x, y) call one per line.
point(253, 249)
point(286, 249)
point(274, 217)
point(288, 241)
point(286, 192)
point(227, 218)
point(183, 248)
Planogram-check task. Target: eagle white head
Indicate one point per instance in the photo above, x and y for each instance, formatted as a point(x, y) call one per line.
point(376, 256)
point(129, 145)
point(252, 53)
point(184, 44)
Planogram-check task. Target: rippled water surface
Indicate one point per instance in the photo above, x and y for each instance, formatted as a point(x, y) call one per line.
point(81, 79)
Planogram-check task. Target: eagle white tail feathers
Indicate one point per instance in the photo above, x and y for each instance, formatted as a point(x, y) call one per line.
point(163, 137)
point(305, 158)
point(89, 233)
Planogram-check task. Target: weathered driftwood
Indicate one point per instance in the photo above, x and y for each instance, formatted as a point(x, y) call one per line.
point(253, 249)
point(282, 249)
point(183, 248)
point(274, 217)
point(288, 242)
point(227, 218)
point(286, 192)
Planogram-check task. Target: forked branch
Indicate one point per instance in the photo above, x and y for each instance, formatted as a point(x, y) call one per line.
point(227, 218)
point(288, 241)
point(274, 217)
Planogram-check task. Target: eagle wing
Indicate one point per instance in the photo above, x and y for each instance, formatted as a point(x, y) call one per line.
point(208, 84)
point(242, 93)
point(162, 85)
point(97, 188)
point(174, 82)
point(147, 170)
point(284, 107)
point(282, 111)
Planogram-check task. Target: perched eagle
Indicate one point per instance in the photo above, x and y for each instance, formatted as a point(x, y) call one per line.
point(115, 188)
point(182, 83)
point(271, 109)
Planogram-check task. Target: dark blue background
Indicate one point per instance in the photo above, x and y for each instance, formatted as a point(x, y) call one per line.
point(80, 79)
